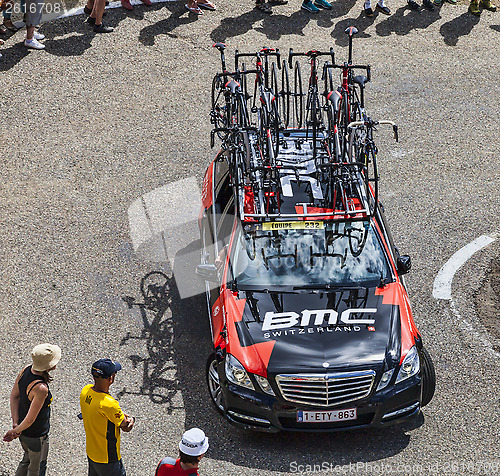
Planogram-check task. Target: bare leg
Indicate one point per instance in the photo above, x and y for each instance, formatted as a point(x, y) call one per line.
point(98, 11)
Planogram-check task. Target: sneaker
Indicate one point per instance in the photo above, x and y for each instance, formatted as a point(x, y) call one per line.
point(87, 10)
point(103, 28)
point(127, 5)
point(453, 2)
point(413, 5)
point(90, 21)
point(488, 5)
point(429, 5)
point(368, 12)
point(384, 9)
point(438, 3)
point(323, 4)
point(38, 36)
point(33, 44)
point(310, 7)
point(474, 8)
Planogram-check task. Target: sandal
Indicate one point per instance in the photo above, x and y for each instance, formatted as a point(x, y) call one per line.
point(196, 10)
point(10, 26)
point(207, 4)
point(265, 7)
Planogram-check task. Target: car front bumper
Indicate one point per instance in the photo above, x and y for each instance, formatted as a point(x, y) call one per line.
point(251, 410)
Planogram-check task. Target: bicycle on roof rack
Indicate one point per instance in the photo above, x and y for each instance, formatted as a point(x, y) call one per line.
point(314, 115)
point(229, 103)
point(326, 170)
point(345, 104)
point(268, 119)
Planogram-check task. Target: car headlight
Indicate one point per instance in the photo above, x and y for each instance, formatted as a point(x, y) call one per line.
point(264, 384)
point(386, 378)
point(236, 373)
point(410, 365)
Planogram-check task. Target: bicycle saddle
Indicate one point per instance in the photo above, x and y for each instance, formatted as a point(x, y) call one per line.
point(232, 85)
point(351, 30)
point(334, 97)
point(361, 80)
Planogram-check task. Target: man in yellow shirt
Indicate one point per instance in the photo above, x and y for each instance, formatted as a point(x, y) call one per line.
point(103, 419)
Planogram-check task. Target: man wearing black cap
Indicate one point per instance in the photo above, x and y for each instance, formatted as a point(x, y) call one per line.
point(103, 419)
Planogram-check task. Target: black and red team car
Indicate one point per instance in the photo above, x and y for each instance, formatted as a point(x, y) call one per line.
point(311, 323)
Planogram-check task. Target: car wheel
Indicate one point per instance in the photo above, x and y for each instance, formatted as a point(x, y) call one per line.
point(214, 383)
point(428, 377)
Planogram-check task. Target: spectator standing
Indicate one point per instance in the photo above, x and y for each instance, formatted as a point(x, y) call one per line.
point(381, 7)
point(192, 447)
point(7, 8)
point(313, 7)
point(413, 5)
point(96, 11)
point(128, 6)
point(194, 6)
point(30, 401)
point(103, 419)
point(474, 6)
point(266, 6)
point(33, 19)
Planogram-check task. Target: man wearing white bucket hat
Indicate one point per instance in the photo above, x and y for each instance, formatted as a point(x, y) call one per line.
point(192, 447)
point(30, 401)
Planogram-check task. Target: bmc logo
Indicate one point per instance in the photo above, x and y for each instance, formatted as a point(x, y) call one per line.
point(283, 320)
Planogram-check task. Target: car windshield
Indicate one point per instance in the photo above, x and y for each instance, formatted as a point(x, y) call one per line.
point(308, 253)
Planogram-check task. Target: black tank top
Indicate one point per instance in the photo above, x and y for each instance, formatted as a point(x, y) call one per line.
point(41, 425)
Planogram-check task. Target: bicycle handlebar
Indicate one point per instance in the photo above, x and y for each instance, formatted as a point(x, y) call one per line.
point(263, 52)
point(310, 54)
point(370, 123)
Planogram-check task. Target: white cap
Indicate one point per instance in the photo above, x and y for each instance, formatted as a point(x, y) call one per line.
point(194, 442)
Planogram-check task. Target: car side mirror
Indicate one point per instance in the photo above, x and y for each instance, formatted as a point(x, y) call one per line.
point(208, 272)
point(403, 264)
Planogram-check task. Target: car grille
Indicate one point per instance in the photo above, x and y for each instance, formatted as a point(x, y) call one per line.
point(326, 390)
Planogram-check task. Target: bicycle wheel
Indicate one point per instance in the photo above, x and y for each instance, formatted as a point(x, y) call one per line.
point(343, 131)
point(155, 289)
point(372, 177)
point(243, 118)
point(328, 80)
point(298, 96)
point(274, 84)
point(285, 95)
point(218, 114)
point(262, 122)
point(274, 127)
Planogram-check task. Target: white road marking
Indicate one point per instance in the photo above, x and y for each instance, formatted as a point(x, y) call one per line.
point(442, 283)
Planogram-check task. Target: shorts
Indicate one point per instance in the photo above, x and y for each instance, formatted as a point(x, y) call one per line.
point(106, 469)
point(34, 12)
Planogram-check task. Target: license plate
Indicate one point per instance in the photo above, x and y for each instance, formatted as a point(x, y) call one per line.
point(326, 416)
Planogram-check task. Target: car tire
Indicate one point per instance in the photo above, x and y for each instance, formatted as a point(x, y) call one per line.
point(428, 377)
point(213, 383)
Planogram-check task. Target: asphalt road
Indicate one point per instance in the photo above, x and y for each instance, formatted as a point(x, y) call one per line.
point(95, 122)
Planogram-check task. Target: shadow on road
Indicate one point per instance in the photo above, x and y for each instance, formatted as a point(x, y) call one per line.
point(404, 20)
point(178, 16)
point(459, 26)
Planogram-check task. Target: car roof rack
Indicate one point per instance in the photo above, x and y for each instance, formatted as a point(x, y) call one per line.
point(297, 186)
